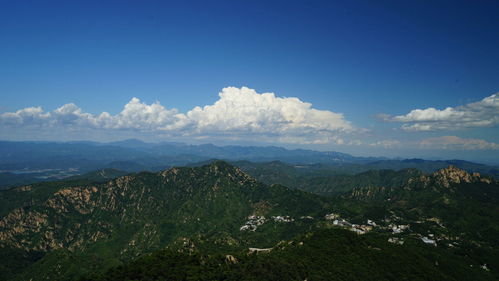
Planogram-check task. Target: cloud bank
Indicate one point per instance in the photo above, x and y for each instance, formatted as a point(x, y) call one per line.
point(238, 113)
point(436, 143)
point(457, 143)
point(484, 113)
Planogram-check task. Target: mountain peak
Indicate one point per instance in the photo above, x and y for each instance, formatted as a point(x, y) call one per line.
point(452, 175)
point(216, 168)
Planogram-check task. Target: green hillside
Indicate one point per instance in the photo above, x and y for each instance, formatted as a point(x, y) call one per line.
point(331, 254)
point(101, 225)
point(201, 223)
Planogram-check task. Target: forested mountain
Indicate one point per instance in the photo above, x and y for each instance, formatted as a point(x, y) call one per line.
point(216, 222)
point(100, 225)
point(321, 179)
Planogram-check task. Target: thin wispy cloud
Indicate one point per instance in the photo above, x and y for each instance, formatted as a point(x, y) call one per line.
point(457, 143)
point(386, 144)
point(484, 113)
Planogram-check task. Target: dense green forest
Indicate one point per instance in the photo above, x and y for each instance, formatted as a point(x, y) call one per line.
point(331, 254)
point(216, 222)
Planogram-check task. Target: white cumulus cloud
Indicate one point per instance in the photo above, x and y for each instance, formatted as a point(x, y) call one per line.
point(138, 115)
point(484, 113)
point(246, 110)
point(238, 113)
point(27, 116)
point(135, 115)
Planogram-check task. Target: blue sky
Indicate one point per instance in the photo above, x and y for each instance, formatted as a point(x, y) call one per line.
point(372, 61)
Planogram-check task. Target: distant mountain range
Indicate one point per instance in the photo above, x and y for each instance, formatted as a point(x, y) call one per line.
point(28, 162)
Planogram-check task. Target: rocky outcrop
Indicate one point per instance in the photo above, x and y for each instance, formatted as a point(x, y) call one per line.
point(452, 175)
point(77, 198)
point(441, 180)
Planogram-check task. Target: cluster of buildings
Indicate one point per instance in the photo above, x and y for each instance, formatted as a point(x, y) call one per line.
point(398, 228)
point(364, 228)
point(282, 218)
point(396, 240)
point(429, 240)
point(357, 228)
point(255, 221)
point(332, 216)
point(361, 228)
